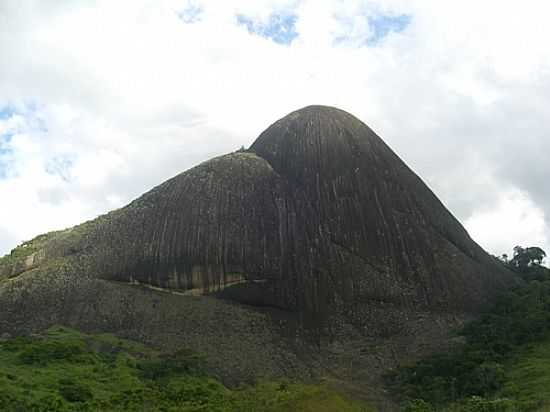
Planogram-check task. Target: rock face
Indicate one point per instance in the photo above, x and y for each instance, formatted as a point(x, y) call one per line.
point(319, 221)
point(362, 226)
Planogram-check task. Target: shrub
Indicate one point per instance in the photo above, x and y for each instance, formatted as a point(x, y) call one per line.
point(42, 352)
point(418, 405)
point(479, 404)
point(181, 362)
point(74, 391)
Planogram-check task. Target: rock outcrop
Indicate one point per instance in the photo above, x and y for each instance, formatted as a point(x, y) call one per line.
point(318, 229)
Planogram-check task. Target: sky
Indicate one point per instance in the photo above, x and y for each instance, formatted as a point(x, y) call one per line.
point(102, 100)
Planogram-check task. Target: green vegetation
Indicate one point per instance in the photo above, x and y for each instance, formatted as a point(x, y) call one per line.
point(25, 249)
point(64, 370)
point(525, 259)
point(528, 376)
point(502, 364)
point(59, 245)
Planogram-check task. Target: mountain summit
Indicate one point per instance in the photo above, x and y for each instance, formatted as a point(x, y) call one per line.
point(319, 229)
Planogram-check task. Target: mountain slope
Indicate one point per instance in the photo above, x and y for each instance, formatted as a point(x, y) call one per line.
point(64, 370)
point(316, 250)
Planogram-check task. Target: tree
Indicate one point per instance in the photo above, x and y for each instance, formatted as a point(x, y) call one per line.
point(524, 258)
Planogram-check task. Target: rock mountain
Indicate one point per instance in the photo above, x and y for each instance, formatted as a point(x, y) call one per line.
point(315, 251)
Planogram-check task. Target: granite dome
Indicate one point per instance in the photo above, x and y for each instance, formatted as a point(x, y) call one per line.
point(318, 231)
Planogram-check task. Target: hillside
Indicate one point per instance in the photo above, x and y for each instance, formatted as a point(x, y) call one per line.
point(315, 253)
point(502, 364)
point(64, 370)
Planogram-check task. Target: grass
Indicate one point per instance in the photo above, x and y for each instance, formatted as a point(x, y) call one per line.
point(528, 377)
point(64, 370)
point(26, 249)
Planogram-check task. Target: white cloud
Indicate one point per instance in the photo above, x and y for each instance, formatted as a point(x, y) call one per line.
point(515, 220)
point(126, 94)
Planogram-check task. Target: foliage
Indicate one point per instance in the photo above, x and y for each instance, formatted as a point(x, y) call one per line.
point(473, 376)
point(182, 362)
point(479, 404)
point(528, 376)
point(74, 391)
point(418, 405)
point(66, 371)
point(27, 248)
point(40, 353)
point(524, 258)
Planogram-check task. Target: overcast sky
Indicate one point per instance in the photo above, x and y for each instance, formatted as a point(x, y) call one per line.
point(102, 100)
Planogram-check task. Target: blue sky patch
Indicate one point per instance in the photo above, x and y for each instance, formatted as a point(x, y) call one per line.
point(5, 139)
point(6, 112)
point(60, 166)
point(382, 25)
point(15, 120)
point(5, 152)
point(281, 28)
point(191, 14)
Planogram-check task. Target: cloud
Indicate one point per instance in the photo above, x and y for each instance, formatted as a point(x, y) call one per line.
point(100, 101)
point(515, 220)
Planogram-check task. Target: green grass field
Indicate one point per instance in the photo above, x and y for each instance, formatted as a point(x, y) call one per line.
point(528, 377)
point(64, 370)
